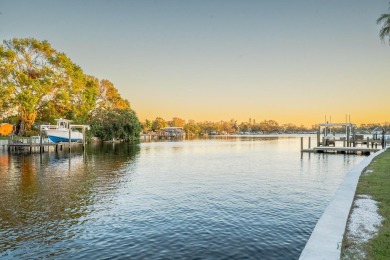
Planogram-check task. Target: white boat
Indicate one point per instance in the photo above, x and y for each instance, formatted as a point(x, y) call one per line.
point(60, 132)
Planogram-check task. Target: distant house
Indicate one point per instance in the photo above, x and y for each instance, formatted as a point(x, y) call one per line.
point(377, 133)
point(173, 130)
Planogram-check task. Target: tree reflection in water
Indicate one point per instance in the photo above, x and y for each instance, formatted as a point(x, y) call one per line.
point(45, 199)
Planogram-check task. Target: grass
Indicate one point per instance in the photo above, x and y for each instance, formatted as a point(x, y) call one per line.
point(376, 183)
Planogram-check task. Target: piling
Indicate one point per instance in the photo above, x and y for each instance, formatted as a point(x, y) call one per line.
point(30, 142)
point(9, 143)
point(318, 136)
point(70, 138)
point(83, 138)
point(383, 139)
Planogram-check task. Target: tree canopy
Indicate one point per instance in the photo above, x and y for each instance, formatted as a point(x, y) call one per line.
point(384, 32)
point(120, 124)
point(158, 124)
point(40, 83)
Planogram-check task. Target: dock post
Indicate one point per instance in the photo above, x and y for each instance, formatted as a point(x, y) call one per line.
point(309, 142)
point(70, 138)
point(30, 141)
point(301, 144)
point(383, 143)
point(40, 140)
point(318, 135)
point(83, 138)
point(9, 143)
point(368, 142)
point(348, 130)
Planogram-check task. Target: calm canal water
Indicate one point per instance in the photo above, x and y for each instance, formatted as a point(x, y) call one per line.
point(235, 198)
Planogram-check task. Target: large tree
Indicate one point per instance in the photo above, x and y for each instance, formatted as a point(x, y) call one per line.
point(36, 78)
point(384, 33)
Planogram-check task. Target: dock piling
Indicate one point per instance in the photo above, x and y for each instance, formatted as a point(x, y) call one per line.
point(83, 138)
point(9, 143)
point(70, 138)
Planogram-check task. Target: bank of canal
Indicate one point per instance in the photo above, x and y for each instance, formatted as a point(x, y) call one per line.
point(371, 240)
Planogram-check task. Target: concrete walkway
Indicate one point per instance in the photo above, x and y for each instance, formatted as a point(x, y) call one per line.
point(326, 239)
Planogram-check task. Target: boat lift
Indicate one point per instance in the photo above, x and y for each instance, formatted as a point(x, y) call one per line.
point(70, 128)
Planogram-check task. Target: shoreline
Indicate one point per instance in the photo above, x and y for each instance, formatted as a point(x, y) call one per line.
point(326, 239)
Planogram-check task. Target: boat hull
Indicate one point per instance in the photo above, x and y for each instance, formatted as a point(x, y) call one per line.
point(58, 136)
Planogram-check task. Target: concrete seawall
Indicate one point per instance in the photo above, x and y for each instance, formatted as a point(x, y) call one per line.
point(327, 236)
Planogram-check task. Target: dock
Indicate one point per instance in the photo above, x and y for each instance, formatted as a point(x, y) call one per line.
point(342, 150)
point(40, 143)
point(167, 133)
point(33, 144)
point(351, 143)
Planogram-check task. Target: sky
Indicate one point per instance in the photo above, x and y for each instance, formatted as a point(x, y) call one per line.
point(289, 61)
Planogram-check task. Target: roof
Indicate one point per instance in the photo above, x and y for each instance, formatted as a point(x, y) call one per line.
point(172, 128)
point(63, 120)
point(336, 124)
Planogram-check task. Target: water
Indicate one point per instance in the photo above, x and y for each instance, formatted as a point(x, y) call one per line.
point(232, 198)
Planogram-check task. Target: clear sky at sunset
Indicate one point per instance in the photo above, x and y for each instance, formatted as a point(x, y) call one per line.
point(290, 61)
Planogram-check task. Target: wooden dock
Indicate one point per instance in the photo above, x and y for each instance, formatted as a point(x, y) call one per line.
point(346, 148)
point(34, 144)
point(342, 150)
point(348, 143)
point(151, 137)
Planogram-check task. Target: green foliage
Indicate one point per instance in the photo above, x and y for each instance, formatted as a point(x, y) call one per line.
point(384, 32)
point(191, 128)
point(37, 78)
point(38, 82)
point(29, 74)
point(178, 122)
point(109, 98)
point(158, 124)
point(225, 127)
point(147, 125)
point(121, 124)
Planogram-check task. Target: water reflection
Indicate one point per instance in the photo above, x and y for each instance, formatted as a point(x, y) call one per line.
point(42, 199)
point(248, 198)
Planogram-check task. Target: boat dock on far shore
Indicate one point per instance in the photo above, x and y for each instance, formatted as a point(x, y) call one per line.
point(350, 143)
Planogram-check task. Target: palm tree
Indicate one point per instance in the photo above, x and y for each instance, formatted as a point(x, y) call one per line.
point(384, 33)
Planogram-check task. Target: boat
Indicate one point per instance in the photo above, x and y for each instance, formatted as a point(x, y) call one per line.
point(60, 132)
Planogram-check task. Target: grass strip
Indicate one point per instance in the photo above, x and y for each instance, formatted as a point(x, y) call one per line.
point(375, 182)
